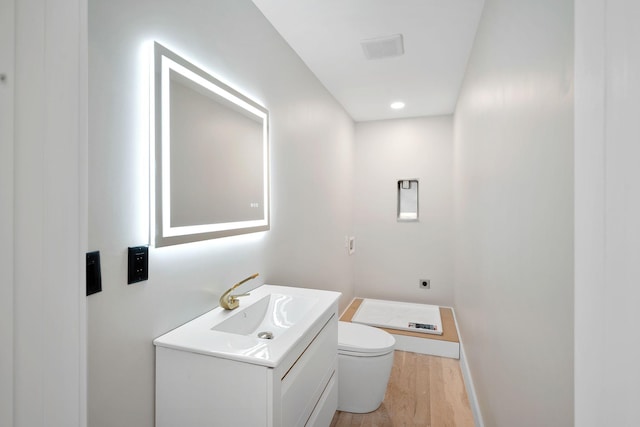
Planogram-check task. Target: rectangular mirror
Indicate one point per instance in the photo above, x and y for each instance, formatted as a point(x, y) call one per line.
point(210, 165)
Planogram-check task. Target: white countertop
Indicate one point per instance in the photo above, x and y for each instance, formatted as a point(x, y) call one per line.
point(198, 335)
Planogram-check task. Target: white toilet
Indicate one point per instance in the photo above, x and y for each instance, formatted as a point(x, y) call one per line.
point(365, 358)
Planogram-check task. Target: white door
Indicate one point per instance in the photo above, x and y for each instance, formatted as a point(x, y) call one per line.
point(6, 210)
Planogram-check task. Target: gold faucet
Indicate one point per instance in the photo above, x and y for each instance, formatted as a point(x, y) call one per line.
point(230, 302)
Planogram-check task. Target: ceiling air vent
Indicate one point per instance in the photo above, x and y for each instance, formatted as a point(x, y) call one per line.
point(383, 47)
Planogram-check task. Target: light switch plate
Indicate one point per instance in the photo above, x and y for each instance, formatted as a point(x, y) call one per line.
point(94, 277)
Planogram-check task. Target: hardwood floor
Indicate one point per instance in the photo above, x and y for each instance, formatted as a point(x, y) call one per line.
point(423, 391)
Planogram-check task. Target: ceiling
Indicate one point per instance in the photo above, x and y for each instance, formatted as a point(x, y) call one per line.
point(437, 35)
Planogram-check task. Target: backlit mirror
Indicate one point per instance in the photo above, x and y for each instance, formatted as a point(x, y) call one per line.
point(210, 158)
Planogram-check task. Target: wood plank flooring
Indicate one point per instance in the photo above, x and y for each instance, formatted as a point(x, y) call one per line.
point(423, 391)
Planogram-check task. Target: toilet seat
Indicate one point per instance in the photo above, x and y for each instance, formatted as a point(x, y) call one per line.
point(363, 341)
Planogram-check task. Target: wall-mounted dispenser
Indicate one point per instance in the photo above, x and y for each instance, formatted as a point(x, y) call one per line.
point(408, 200)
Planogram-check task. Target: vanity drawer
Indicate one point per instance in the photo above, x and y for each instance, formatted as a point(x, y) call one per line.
point(327, 405)
point(304, 383)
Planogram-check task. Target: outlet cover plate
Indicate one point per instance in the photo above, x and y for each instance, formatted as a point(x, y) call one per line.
point(138, 270)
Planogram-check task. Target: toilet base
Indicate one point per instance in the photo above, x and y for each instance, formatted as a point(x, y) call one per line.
point(362, 382)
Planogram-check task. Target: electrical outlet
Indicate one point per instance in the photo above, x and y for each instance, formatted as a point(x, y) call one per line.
point(425, 284)
point(352, 245)
point(138, 270)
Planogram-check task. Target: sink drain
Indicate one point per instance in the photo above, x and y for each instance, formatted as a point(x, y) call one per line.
point(266, 335)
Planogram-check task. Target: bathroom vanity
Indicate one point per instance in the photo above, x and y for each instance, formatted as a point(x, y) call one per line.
point(271, 362)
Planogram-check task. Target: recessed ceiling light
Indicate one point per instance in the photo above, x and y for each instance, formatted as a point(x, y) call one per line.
point(398, 105)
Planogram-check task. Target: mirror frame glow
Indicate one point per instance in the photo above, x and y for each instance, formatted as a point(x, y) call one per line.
point(162, 231)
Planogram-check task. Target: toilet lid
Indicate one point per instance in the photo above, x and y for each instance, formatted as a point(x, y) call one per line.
point(356, 338)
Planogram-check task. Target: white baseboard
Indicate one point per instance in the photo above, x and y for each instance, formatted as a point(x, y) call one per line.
point(468, 381)
point(471, 391)
point(427, 346)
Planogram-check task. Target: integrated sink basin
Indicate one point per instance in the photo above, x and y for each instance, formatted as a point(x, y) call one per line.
point(274, 313)
point(266, 325)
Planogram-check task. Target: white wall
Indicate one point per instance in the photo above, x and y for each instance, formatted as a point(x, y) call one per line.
point(392, 256)
point(607, 236)
point(513, 161)
point(312, 181)
point(311, 160)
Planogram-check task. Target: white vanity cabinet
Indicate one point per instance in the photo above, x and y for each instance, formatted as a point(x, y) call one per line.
point(196, 390)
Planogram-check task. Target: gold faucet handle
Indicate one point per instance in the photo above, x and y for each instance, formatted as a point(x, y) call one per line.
point(240, 295)
point(229, 301)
